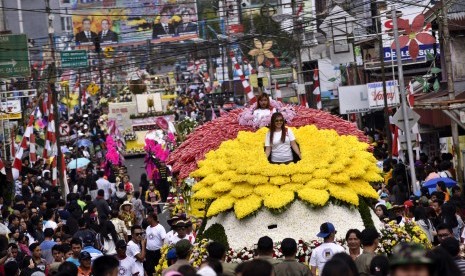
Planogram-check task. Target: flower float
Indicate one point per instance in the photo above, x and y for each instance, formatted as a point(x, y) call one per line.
point(238, 175)
point(238, 188)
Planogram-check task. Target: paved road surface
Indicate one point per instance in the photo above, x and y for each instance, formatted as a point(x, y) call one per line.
point(136, 167)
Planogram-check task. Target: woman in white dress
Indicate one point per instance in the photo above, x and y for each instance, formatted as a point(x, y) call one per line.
point(264, 108)
point(279, 141)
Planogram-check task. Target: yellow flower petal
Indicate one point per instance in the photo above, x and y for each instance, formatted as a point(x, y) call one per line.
point(246, 206)
point(313, 196)
point(278, 200)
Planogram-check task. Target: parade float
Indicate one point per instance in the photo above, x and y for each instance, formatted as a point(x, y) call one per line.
point(236, 187)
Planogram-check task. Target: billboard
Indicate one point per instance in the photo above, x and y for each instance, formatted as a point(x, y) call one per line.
point(128, 21)
point(353, 99)
point(10, 110)
point(376, 95)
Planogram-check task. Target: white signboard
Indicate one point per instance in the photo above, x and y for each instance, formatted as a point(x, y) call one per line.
point(149, 103)
point(353, 99)
point(376, 97)
point(11, 106)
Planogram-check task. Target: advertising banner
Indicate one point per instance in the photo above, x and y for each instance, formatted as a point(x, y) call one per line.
point(353, 99)
point(376, 97)
point(10, 110)
point(128, 21)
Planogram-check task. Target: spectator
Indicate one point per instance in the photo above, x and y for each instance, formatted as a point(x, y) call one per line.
point(76, 247)
point(410, 259)
point(326, 250)
point(183, 251)
point(136, 247)
point(370, 241)
point(290, 266)
point(84, 268)
point(47, 245)
point(452, 246)
point(217, 251)
point(105, 266)
point(379, 266)
point(265, 250)
point(127, 265)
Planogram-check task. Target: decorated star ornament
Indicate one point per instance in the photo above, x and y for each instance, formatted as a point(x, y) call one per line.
point(262, 50)
point(414, 33)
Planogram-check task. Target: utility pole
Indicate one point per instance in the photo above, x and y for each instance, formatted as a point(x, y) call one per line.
point(52, 80)
point(403, 99)
point(450, 87)
point(2, 18)
point(297, 37)
point(375, 9)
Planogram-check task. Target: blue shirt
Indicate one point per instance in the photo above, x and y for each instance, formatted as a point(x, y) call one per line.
point(74, 261)
point(46, 247)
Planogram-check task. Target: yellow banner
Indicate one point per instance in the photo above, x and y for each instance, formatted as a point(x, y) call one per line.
point(10, 116)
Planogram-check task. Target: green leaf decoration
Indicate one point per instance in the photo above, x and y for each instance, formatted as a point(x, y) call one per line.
point(425, 87)
point(420, 80)
point(343, 79)
point(332, 79)
point(435, 70)
point(436, 85)
point(429, 56)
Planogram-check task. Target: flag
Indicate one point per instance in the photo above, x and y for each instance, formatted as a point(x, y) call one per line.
point(245, 83)
point(316, 89)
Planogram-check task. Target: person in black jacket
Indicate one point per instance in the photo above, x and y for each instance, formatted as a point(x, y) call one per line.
point(86, 35)
point(163, 27)
point(106, 35)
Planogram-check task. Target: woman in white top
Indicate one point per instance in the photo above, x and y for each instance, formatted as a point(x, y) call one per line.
point(263, 108)
point(279, 141)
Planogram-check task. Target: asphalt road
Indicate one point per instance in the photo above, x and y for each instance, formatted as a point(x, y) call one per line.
point(136, 167)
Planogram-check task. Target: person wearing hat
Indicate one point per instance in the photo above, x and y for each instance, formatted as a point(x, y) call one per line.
point(127, 265)
point(180, 227)
point(326, 250)
point(409, 259)
point(183, 251)
point(127, 214)
point(85, 261)
point(88, 242)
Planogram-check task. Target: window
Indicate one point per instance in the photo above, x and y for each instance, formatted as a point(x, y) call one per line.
point(66, 23)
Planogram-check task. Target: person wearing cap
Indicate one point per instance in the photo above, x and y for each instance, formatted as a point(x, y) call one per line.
point(290, 266)
point(127, 265)
point(136, 247)
point(156, 235)
point(183, 251)
point(409, 259)
point(180, 227)
point(85, 261)
point(265, 250)
point(127, 214)
point(326, 250)
point(370, 241)
point(88, 242)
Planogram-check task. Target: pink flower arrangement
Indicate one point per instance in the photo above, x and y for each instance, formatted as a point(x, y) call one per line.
point(246, 118)
point(112, 155)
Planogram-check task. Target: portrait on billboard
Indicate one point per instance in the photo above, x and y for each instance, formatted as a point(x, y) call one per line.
point(125, 22)
point(86, 35)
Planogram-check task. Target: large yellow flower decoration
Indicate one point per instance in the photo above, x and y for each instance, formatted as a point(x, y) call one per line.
point(238, 176)
point(261, 51)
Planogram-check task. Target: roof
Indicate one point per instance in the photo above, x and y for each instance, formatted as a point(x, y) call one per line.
point(430, 105)
point(456, 14)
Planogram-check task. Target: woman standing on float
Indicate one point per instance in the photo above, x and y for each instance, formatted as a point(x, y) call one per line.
point(280, 141)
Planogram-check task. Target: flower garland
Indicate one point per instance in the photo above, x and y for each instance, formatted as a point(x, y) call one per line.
point(393, 233)
point(246, 118)
point(238, 175)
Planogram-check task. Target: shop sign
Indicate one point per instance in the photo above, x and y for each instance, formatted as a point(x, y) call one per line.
point(376, 96)
point(10, 110)
point(353, 99)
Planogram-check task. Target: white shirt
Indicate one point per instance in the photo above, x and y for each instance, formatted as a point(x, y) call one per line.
point(324, 253)
point(50, 224)
point(258, 114)
point(105, 185)
point(169, 236)
point(127, 267)
point(174, 239)
point(132, 250)
point(155, 237)
point(280, 152)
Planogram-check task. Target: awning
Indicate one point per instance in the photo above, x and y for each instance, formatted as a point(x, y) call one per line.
point(431, 107)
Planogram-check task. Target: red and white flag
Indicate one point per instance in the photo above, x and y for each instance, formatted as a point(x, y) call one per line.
point(245, 83)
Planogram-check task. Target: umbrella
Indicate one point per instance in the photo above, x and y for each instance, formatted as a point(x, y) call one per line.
point(432, 182)
point(78, 163)
point(84, 142)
